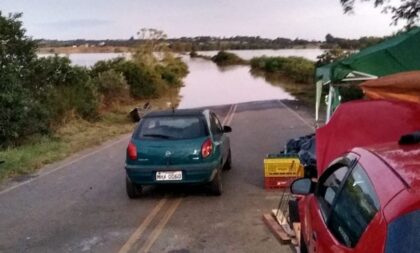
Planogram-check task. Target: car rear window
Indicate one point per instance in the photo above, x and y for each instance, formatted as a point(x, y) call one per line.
point(172, 128)
point(403, 235)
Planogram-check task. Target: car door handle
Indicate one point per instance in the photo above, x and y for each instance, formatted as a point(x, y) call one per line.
point(314, 237)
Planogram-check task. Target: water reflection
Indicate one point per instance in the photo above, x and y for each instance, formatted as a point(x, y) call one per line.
point(207, 85)
point(310, 54)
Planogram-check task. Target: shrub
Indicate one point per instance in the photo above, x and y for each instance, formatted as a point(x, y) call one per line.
point(62, 88)
point(112, 85)
point(223, 58)
point(144, 82)
point(297, 68)
point(172, 70)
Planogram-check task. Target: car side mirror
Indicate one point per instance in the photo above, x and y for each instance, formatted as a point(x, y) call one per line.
point(302, 186)
point(227, 129)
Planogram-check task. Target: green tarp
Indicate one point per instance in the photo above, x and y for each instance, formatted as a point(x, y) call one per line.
point(397, 54)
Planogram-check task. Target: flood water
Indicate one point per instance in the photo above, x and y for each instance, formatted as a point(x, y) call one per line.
point(309, 54)
point(207, 84)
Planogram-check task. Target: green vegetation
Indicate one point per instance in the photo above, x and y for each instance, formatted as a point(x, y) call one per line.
point(223, 58)
point(331, 55)
point(205, 43)
point(77, 134)
point(297, 69)
point(332, 42)
point(42, 96)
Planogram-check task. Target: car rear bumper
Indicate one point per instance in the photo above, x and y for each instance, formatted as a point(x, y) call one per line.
point(191, 174)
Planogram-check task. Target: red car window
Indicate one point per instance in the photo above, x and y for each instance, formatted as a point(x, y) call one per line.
point(328, 189)
point(354, 208)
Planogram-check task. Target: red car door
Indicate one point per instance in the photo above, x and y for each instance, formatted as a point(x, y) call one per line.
point(317, 236)
point(341, 210)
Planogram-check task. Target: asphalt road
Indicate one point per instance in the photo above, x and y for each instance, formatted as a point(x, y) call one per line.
point(80, 204)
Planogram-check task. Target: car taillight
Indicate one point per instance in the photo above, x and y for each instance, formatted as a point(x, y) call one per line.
point(206, 148)
point(132, 151)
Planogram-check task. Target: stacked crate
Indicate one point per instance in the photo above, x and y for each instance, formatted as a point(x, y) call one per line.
point(280, 170)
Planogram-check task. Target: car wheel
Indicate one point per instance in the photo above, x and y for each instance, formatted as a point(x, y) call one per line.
point(133, 190)
point(228, 163)
point(302, 245)
point(216, 186)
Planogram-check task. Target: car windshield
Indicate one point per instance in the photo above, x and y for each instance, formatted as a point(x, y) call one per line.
point(404, 233)
point(171, 128)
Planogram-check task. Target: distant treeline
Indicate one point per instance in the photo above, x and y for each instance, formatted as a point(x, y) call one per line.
point(204, 43)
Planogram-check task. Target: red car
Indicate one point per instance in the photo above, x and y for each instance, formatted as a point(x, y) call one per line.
point(368, 199)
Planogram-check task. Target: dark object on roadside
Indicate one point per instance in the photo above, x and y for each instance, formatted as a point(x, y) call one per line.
point(137, 112)
point(147, 106)
point(305, 148)
point(134, 115)
point(293, 211)
point(2, 162)
point(411, 138)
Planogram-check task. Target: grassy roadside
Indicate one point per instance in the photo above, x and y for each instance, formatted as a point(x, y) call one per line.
point(77, 134)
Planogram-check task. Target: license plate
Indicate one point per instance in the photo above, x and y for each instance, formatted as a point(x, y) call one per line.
point(168, 175)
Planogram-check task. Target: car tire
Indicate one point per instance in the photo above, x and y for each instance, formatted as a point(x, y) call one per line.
point(216, 187)
point(228, 163)
point(133, 190)
point(302, 245)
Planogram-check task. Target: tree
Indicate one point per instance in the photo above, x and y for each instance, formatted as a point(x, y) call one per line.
point(331, 55)
point(17, 52)
point(407, 10)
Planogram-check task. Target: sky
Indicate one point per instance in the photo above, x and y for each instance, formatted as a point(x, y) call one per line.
point(121, 19)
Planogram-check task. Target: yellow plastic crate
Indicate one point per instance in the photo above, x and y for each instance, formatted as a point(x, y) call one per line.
point(283, 167)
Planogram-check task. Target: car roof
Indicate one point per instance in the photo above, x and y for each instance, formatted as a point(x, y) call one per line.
point(404, 160)
point(176, 112)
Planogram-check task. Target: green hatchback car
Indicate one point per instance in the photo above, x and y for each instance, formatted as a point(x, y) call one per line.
point(188, 146)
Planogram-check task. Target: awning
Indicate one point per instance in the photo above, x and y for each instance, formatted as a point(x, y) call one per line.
point(397, 54)
point(400, 53)
point(402, 86)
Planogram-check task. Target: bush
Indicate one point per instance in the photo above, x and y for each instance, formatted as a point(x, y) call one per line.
point(172, 70)
point(143, 81)
point(112, 85)
point(298, 69)
point(62, 89)
point(223, 58)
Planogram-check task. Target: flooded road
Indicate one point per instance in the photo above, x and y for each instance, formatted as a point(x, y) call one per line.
point(209, 85)
point(308, 53)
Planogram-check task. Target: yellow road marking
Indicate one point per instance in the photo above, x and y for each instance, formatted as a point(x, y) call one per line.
point(139, 231)
point(158, 229)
